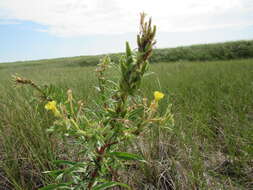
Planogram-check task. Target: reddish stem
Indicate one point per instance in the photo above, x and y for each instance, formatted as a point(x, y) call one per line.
point(99, 158)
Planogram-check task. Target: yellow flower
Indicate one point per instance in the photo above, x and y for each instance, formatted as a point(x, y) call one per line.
point(158, 95)
point(52, 106)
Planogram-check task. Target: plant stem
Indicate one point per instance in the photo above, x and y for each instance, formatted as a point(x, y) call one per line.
point(98, 161)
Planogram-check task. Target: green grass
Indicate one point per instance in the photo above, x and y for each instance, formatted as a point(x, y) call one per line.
point(210, 146)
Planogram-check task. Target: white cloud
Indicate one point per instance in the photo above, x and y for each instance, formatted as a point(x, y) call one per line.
point(82, 17)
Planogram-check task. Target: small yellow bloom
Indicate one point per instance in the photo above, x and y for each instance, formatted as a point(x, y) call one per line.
point(52, 106)
point(158, 95)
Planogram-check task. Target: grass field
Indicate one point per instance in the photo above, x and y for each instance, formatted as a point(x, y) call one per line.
point(210, 146)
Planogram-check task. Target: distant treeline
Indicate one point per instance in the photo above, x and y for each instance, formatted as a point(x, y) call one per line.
point(206, 52)
point(202, 52)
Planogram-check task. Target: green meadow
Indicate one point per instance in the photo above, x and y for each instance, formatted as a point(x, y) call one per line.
point(210, 146)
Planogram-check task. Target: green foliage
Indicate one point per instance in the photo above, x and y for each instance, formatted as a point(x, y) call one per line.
point(120, 115)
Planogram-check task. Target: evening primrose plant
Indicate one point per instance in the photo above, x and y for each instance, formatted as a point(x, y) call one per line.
point(119, 116)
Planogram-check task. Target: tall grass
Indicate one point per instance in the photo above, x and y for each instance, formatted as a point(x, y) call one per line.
point(209, 148)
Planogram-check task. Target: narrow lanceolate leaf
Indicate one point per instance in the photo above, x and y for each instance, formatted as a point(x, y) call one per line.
point(109, 185)
point(54, 173)
point(56, 186)
point(127, 156)
point(128, 50)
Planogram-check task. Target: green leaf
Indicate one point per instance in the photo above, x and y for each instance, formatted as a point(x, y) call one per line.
point(54, 173)
point(128, 50)
point(109, 185)
point(54, 186)
point(148, 74)
point(127, 156)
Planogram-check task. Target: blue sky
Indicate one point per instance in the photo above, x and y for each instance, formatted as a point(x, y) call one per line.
point(33, 29)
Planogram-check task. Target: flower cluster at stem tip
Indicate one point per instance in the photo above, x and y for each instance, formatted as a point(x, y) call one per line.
point(52, 106)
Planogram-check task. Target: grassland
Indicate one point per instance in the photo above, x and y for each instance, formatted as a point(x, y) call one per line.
point(210, 146)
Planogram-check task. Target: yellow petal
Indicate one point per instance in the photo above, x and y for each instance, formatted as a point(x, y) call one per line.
point(50, 105)
point(158, 95)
